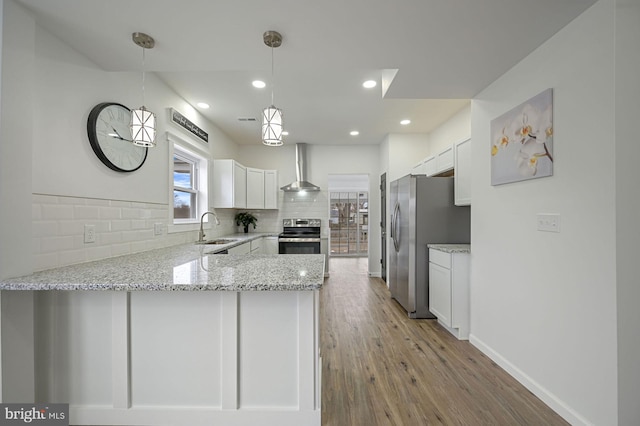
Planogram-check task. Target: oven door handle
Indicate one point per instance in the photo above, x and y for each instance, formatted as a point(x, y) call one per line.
point(299, 240)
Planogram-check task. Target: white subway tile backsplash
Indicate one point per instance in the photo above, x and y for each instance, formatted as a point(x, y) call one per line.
point(56, 211)
point(54, 244)
point(86, 212)
point(44, 228)
point(69, 257)
point(108, 212)
point(58, 229)
point(124, 227)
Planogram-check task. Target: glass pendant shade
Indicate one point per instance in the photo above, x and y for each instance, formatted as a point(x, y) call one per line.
point(272, 126)
point(143, 127)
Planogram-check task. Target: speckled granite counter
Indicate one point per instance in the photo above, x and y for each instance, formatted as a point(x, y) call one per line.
point(451, 248)
point(183, 267)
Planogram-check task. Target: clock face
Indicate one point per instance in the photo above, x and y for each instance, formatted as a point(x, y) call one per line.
point(110, 137)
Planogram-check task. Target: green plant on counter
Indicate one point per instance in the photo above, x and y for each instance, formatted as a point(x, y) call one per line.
point(245, 219)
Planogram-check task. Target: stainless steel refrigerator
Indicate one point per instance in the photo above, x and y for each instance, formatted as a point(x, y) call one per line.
point(423, 212)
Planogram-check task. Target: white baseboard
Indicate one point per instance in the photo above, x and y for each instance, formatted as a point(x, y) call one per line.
point(544, 394)
point(375, 274)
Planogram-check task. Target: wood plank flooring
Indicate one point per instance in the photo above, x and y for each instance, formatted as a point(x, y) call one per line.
point(382, 368)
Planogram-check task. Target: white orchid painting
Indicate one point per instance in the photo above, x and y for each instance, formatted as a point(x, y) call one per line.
point(522, 141)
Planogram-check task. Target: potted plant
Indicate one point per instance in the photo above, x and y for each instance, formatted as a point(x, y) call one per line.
point(245, 219)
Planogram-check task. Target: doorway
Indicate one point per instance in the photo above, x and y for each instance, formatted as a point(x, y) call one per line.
point(349, 215)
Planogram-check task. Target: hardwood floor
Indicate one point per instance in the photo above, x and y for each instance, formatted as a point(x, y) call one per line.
point(382, 368)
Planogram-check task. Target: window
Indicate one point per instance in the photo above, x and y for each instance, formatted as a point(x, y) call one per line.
point(189, 183)
point(185, 187)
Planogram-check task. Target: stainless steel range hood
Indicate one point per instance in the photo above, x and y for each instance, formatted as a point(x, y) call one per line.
point(301, 183)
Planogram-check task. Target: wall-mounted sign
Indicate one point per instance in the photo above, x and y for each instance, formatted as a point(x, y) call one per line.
point(185, 123)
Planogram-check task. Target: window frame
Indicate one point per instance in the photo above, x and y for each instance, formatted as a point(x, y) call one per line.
point(193, 189)
point(196, 154)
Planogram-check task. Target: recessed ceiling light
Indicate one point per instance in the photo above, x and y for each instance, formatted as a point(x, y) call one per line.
point(369, 84)
point(285, 133)
point(405, 122)
point(354, 133)
point(203, 105)
point(259, 84)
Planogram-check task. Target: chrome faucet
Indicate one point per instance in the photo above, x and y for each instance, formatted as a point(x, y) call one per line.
point(201, 234)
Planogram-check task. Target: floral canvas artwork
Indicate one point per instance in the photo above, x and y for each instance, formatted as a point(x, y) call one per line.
point(522, 141)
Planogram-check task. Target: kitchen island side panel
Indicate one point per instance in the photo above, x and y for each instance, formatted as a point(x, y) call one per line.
point(184, 357)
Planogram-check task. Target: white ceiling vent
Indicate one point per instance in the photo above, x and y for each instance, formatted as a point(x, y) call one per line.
point(250, 119)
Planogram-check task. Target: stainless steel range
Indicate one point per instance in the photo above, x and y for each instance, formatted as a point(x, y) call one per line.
point(300, 236)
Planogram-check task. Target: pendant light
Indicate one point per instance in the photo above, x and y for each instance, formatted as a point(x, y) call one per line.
point(143, 121)
point(272, 116)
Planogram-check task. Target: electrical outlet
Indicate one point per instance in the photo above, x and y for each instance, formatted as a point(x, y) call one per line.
point(548, 222)
point(157, 229)
point(89, 233)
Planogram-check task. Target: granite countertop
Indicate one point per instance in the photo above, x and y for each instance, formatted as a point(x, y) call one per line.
point(183, 267)
point(451, 248)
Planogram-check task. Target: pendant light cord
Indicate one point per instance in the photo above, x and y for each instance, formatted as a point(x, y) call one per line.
point(273, 81)
point(143, 68)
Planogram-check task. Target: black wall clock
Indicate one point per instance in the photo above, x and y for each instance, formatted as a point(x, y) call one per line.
point(110, 137)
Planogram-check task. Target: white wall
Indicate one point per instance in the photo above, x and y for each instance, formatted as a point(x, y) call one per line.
point(16, 132)
point(455, 129)
point(403, 152)
point(627, 63)
point(543, 305)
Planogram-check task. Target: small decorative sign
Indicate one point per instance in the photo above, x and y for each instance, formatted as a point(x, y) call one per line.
point(185, 123)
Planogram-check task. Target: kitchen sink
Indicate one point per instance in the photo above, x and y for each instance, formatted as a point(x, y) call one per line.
point(219, 241)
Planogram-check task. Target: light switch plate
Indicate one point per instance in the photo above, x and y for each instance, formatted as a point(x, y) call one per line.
point(548, 222)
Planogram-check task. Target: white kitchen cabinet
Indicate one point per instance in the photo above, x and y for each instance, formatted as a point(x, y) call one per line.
point(444, 160)
point(229, 184)
point(271, 189)
point(462, 177)
point(256, 246)
point(429, 166)
point(449, 289)
point(244, 248)
point(425, 167)
point(270, 245)
point(255, 188)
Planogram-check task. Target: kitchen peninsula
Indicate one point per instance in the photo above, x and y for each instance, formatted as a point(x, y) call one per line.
point(179, 336)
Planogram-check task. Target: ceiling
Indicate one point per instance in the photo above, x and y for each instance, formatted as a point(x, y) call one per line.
point(428, 56)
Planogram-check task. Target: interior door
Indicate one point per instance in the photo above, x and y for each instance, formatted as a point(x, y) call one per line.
point(383, 225)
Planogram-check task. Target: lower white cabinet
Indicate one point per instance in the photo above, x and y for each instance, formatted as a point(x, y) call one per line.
point(256, 246)
point(244, 248)
point(270, 245)
point(449, 290)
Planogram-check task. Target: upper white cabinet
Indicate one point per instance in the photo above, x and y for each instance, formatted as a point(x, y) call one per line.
point(235, 186)
point(255, 188)
point(425, 167)
point(229, 184)
point(462, 177)
point(270, 189)
point(444, 160)
point(429, 166)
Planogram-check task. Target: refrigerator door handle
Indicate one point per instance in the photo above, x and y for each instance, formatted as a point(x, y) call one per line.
point(394, 229)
